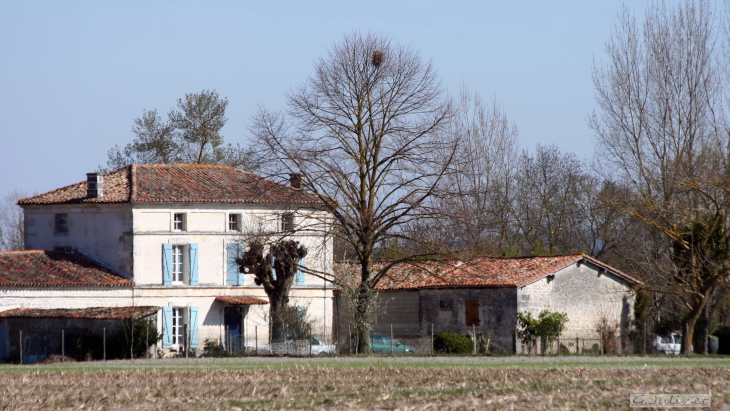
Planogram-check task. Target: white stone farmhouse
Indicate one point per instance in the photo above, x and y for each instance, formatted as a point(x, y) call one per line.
point(165, 236)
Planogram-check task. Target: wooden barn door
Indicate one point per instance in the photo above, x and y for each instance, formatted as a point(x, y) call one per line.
point(471, 312)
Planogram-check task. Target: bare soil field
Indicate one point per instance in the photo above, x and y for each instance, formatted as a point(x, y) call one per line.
point(373, 383)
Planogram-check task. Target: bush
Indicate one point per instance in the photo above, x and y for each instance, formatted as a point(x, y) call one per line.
point(723, 334)
point(452, 343)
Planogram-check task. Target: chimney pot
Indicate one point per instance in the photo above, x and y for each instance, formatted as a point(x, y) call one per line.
point(94, 185)
point(295, 180)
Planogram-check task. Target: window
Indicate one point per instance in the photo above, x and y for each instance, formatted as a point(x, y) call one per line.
point(177, 327)
point(61, 224)
point(234, 222)
point(174, 320)
point(178, 222)
point(287, 222)
point(178, 263)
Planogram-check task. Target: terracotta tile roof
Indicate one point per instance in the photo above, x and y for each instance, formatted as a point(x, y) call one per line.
point(482, 272)
point(37, 268)
point(242, 300)
point(96, 313)
point(180, 183)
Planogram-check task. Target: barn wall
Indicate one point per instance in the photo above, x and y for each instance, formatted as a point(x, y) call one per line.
point(445, 309)
point(584, 292)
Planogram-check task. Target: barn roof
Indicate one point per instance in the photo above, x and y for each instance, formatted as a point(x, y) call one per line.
point(180, 183)
point(95, 313)
point(36, 268)
point(482, 272)
point(241, 300)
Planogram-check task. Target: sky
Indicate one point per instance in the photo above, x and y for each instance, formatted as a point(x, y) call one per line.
point(75, 74)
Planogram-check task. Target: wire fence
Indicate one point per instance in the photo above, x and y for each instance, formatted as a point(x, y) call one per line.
point(87, 344)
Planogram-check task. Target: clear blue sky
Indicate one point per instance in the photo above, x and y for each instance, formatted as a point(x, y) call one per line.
point(73, 74)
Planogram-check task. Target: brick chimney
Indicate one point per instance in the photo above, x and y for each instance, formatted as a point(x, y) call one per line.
point(94, 185)
point(295, 180)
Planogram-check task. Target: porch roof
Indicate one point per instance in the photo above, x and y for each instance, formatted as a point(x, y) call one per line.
point(241, 300)
point(94, 313)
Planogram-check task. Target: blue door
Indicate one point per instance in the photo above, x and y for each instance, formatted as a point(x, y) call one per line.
point(232, 321)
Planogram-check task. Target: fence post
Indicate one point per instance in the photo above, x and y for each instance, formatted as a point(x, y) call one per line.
point(63, 346)
point(185, 339)
point(21, 346)
point(391, 339)
point(644, 337)
point(474, 338)
point(103, 339)
point(600, 334)
point(131, 340)
point(256, 342)
point(431, 339)
point(577, 346)
point(147, 339)
point(559, 331)
point(349, 336)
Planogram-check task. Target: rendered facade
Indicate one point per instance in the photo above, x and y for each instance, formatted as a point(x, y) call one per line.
point(173, 233)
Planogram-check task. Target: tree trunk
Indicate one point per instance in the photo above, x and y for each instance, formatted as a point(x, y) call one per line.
point(703, 329)
point(363, 319)
point(688, 326)
point(276, 324)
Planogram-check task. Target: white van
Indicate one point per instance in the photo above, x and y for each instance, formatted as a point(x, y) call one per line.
point(669, 345)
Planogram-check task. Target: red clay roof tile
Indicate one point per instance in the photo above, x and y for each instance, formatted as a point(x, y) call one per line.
point(180, 183)
point(96, 313)
point(241, 300)
point(37, 268)
point(482, 272)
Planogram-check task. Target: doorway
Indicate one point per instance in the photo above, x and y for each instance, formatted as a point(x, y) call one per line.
point(234, 328)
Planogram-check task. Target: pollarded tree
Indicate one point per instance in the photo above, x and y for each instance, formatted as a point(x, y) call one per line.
point(364, 133)
point(662, 132)
point(275, 270)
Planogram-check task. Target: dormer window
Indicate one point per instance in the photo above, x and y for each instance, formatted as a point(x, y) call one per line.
point(178, 222)
point(234, 222)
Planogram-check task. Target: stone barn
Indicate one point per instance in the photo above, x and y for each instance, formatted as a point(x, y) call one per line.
point(485, 295)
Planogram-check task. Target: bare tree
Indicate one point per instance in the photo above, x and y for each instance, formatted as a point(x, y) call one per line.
point(662, 130)
point(474, 196)
point(11, 222)
point(364, 132)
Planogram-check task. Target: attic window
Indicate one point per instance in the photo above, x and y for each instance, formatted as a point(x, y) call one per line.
point(550, 278)
point(234, 222)
point(178, 222)
point(287, 222)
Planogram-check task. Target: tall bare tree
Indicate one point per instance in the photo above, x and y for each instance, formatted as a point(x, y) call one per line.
point(11, 222)
point(474, 196)
point(364, 132)
point(662, 131)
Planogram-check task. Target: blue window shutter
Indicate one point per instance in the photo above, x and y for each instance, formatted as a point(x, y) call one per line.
point(166, 327)
point(300, 272)
point(241, 279)
point(232, 272)
point(193, 263)
point(273, 270)
point(166, 264)
point(193, 327)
